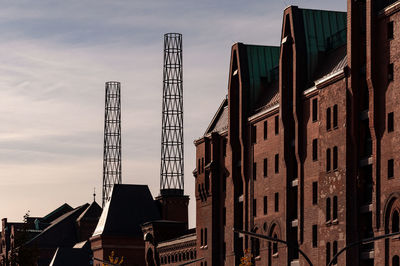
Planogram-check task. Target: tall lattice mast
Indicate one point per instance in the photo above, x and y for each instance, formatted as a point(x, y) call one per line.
point(171, 174)
point(112, 139)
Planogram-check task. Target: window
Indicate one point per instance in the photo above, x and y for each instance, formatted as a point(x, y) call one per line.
point(315, 193)
point(328, 119)
point(265, 129)
point(198, 166)
point(396, 261)
point(335, 158)
point(335, 206)
point(277, 125)
point(390, 170)
point(390, 30)
point(314, 236)
point(256, 248)
point(314, 110)
point(275, 245)
point(253, 134)
point(335, 114)
point(390, 126)
point(328, 253)
point(315, 149)
point(334, 251)
point(254, 171)
point(205, 236)
point(265, 167)
point(276, 163)
point(202, 164)
point(390, 72)
point(395, 222)
point(254, 207)
point(201, 238)
point(328, 209)
point(276, 202)
point(328, 160)
point(265, 205)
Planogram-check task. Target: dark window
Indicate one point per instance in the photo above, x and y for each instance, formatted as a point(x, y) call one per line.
point(276, 201)
point(315, 149)
point(335, 208)
point(201, 238)
point(198, 167)
point(315, 193)
point(256, 248)
point(254, 171)
point(328, 119)
point(328, 160)
point(396, 261)
point(390, 169)
point(277, 125)
point(335, 115)
point(314, 236)
point(328, 253)
point(202, 164)
point(276, 163)
point(265, 129)
point(328, 209)
point(314, 110)
point(205, 263)
point(253, 134)
point(390, 30)
point(275, 245)
point(335, 158)
point(205, 236)
point(390, 72)
point(395, 222)
point(254, 207)
point(265, 205)
point(334, 251)
point(265, 167)
point(390, 122)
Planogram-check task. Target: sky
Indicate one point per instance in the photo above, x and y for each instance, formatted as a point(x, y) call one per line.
point(55, 57)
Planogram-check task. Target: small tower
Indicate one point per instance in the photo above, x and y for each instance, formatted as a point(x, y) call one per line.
point(173, 202)
point(112, 139)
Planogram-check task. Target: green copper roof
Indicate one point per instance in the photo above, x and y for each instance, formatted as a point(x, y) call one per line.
point(263, 64)
point(324, 30)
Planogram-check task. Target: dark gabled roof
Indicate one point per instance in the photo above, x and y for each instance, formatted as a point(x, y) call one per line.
point(128, 208)
point(42, 223)
point(92, 212)
point(332, 63)
point(61, 232)
point(219, 122)
point(323, 31)
point(71, 256)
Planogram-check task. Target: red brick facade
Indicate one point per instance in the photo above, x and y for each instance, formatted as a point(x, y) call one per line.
point(317, 162)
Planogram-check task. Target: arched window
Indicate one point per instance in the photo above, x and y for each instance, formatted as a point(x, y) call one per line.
point(395, 222)
point(328, 209)
point(395, 261)
point(328, 160)
point(334, 251)
point(201, 237)
point(275, 246)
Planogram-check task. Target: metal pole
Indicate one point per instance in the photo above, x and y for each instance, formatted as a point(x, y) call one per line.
point(271, 239)
point(362, 242)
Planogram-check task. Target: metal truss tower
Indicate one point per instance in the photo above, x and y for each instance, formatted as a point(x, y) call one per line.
point(112, 139)
point(171, 173)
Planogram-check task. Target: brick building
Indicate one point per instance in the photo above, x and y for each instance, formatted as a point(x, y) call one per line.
point(305, 147)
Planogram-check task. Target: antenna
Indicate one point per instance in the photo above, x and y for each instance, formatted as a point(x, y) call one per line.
point(112, 139)
point(172, 168)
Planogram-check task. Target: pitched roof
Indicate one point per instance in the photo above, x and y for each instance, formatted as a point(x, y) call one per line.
point(219, 122)
point(332, 63)
point(92, 212)
point(128, 208)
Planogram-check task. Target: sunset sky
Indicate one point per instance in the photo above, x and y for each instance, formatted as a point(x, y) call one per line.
point(55, 57)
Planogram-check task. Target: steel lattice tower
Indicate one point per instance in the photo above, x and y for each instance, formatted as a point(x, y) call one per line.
point(112, 139)
point(171, 173)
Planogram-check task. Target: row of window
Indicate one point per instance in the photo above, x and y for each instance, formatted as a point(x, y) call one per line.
point(265, 201)
point(254, 130)
point(178, 257)
point(328, 252)
point(265, 167)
